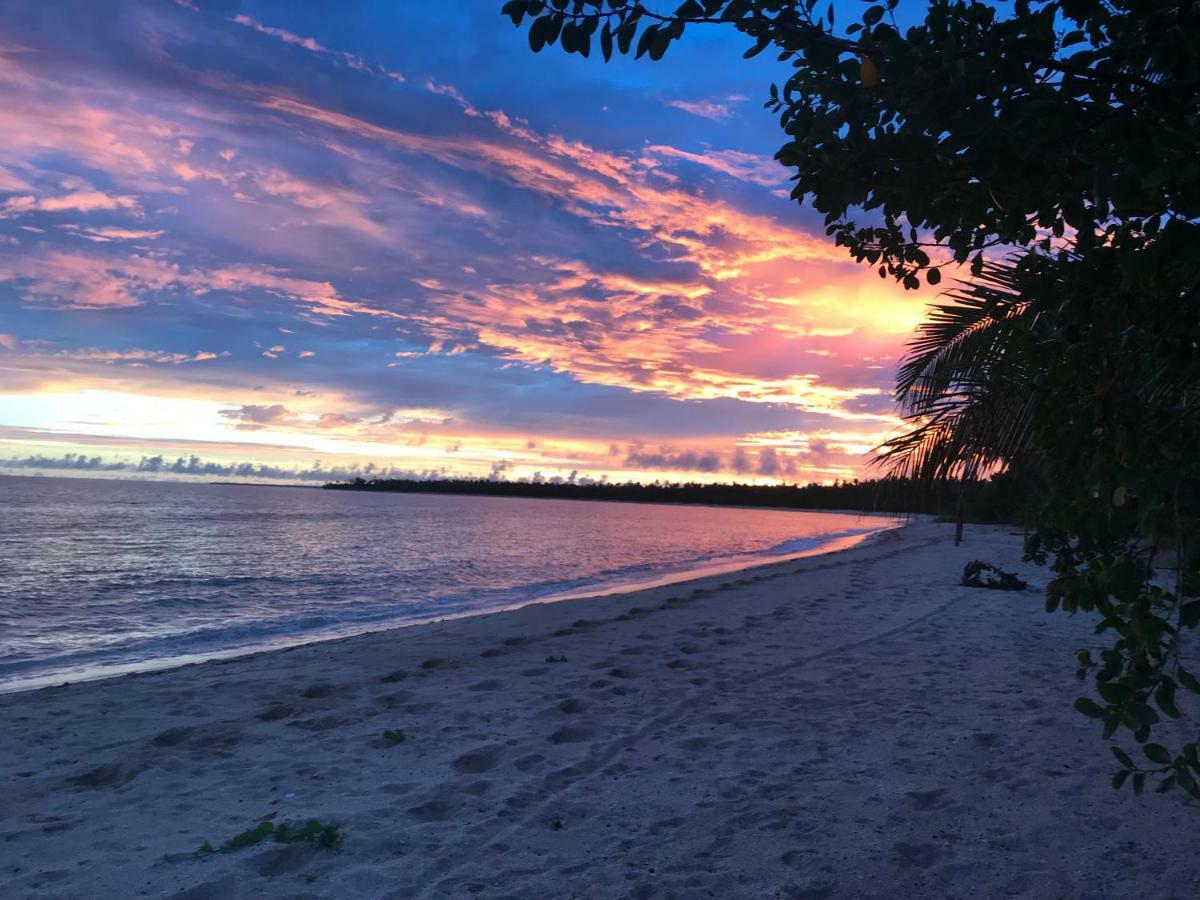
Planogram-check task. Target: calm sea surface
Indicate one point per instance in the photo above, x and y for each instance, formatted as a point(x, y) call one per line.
point(99, 577)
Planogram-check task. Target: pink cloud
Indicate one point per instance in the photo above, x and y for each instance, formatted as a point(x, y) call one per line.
point(709, 109)
point(349, 59)
point(87, 280)
point(286, 36)
point(449, 90)
point(756, 309)
point(138, 357)
point(744, 166)
point(642, 336)
point(108, 233)
point(11, 183)
point(78, 280)
point(76, 201)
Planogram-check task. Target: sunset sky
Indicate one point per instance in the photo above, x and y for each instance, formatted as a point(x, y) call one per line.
point(303, 241)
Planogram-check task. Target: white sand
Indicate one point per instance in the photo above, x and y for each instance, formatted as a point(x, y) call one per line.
point(854, 725)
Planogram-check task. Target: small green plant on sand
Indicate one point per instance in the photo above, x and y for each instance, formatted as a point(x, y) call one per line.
point(395, 736)
point(327, 837)
point(249, 837)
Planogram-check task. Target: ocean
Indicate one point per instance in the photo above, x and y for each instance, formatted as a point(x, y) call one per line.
point(100, 577)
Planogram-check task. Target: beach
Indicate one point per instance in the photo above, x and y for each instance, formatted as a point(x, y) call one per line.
point(854, 724)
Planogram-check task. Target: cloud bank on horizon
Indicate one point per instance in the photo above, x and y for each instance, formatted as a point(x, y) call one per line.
point(264, 234)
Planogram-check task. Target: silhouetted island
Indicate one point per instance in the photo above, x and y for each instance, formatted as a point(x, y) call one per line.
point(1001, 499)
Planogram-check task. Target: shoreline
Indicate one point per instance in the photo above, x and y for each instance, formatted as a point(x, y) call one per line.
point(698, 572)
point(856, 724)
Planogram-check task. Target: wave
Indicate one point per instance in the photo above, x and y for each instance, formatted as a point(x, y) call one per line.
point(264, 628)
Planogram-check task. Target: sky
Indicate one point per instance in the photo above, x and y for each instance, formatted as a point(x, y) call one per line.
point(300, 242)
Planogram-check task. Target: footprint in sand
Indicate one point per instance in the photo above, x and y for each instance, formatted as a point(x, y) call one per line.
point(107, 776)
point(923, 800)
point(210, 890)
point(478, 761)
point(534, 762)
point(920, 856)
point(572, 705)
point(390, 701)
point(172, 737)
point(435, 810)
point(325, 723)
point(278, 711)
point(570, 734)
point(794, 858)
point(284, 861)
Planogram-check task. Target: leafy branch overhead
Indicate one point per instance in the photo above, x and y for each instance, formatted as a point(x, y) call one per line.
point(1049, 149)
point(970, 131)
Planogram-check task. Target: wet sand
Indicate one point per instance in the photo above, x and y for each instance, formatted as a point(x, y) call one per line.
point(849, 725)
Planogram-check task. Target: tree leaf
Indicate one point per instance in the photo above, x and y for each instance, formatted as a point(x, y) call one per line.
point(1089, 708)
point(1188, 680)
point(1157, 753)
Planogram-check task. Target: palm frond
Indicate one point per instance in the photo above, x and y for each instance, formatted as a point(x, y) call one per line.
point(963, 386)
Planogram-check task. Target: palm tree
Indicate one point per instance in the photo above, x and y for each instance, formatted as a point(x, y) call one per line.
point(965, 387)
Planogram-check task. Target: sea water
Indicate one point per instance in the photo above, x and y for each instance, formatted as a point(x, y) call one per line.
point(99, 577)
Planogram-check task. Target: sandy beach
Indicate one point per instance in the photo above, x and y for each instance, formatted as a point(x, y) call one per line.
point(850, 725)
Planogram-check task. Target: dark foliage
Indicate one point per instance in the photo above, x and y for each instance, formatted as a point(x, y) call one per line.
point(1001, 499)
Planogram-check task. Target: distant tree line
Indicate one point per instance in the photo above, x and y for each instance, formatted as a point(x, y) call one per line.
point(1003, 498)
